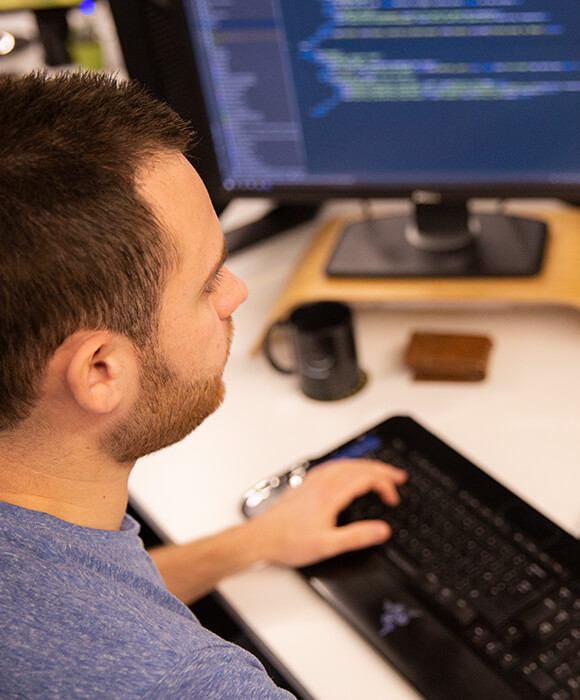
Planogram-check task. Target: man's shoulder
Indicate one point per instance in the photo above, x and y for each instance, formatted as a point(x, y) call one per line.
point(98, 622)
point(218, 671)
point(82, 608)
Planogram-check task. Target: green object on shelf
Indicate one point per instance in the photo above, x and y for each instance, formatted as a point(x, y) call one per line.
point(85, 52)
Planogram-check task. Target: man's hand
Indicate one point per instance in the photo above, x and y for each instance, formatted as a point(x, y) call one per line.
point(297, 530)
point(301, 528)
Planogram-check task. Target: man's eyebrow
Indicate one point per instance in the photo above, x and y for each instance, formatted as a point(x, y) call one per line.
point(220, 263)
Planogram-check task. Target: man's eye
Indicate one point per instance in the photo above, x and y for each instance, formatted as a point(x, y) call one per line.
point(215, 281)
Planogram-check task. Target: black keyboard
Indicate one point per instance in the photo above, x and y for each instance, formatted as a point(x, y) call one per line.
point(476, 595)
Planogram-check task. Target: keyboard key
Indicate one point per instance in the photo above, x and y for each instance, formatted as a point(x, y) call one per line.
point(561, 694)
point(573, 685)
point(539, 679)
point(533, 618)
point(562, 672)
point(509, 660)
point(549, 659)
point(480, 636)
point(493, 614)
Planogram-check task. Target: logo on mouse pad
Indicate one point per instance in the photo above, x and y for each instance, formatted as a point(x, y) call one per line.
point(396, 615)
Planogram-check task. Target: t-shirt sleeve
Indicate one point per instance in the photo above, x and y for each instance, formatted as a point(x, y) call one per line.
point(217, 673)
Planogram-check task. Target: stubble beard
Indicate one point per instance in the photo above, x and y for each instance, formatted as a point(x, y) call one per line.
point(167, 409)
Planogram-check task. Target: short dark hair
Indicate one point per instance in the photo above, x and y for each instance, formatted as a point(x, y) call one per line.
point(79, 248)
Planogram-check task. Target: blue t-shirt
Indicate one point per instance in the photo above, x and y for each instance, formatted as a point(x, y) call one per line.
point(84, 613)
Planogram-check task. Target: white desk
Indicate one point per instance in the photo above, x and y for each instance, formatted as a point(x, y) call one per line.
point(521, 425)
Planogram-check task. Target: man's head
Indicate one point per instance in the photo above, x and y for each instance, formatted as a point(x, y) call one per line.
point(88, 243)
point(181, 371)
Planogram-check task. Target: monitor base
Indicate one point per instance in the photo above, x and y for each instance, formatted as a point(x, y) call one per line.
point(498, 246)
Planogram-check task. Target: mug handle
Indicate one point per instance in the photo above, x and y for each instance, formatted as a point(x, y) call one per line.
point(267, 348)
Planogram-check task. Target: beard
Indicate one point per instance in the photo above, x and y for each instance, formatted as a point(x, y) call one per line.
point(167, 407)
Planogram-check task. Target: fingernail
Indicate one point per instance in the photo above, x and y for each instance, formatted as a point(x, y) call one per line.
point(383, 531)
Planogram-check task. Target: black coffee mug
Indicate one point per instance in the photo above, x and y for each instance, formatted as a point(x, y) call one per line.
point(323, 344)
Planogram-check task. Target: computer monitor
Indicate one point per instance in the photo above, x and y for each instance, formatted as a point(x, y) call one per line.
point(440, 101)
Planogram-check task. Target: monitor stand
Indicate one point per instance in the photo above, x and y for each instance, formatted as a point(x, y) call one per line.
point(440, 240)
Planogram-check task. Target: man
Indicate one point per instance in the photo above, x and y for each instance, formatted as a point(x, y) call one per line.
point(115, 325)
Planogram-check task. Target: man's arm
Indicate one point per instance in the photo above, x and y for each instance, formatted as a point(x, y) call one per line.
point(297, 530)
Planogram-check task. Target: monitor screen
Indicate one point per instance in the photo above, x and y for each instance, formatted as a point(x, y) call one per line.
point(311, 99)
point(376, 94)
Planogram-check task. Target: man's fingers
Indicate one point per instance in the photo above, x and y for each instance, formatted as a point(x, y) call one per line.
point(352, 478)
point(389, 489)
point(358, 535)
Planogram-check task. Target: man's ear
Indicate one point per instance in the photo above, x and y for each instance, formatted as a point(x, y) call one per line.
point(101, 371)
